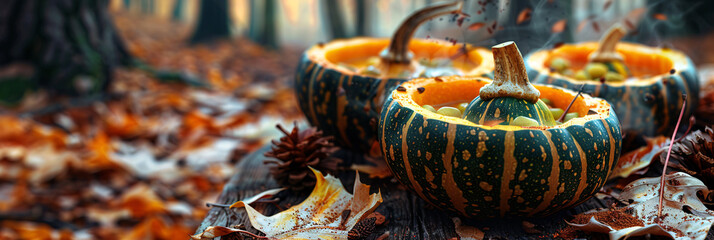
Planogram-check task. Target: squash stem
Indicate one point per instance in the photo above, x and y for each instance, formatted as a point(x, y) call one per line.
point(510, 77)
point(398, 50)
point(606, 47)
point(666, 160)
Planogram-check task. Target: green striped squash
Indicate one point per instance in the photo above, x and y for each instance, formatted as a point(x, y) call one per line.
point(496, 171)
point(506, 109)
point(649, 104)
point(346, 104)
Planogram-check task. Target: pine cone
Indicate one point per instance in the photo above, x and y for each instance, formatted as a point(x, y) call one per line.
point(695, 155)
point(298, 150)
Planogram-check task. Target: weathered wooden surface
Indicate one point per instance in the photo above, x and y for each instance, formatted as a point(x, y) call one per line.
point(408, 216)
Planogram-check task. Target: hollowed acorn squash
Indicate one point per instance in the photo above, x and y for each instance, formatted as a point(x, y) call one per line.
point(346, 104)
point(487, 171)
point(648, 102)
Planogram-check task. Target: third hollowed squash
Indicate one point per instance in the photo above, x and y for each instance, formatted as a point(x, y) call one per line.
point(648, 101)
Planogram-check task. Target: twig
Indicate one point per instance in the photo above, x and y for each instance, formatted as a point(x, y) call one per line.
point(217, 205)
point(666, 161)
point(580, 91)
point(692, 121)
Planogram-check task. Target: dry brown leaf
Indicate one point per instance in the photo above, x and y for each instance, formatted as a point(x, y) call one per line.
point(100, 148)
point(680, 222)
point(524, 15)
point(378, 169)
point(466, 232)
point(216, 231)
point(320, 215)
point(685, 216)
point(476, 26)
point(559, 26)
point(581, 25)
point(659, 16)
point(28, 230)
point(640, 158)
point(633, 17)
point(141, 201)
point(606, 5)
point(156, 228)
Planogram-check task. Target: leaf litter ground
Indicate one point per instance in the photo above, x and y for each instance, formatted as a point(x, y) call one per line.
point(142, 164)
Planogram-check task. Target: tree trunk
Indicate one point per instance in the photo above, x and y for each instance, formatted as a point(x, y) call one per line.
point(263, 26)
point(177, 13)
point(213, 22)
point(333, 12)
point(361, 17)
point(70, 46)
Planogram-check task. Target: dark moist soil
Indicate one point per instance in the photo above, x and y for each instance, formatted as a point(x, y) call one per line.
point(617, 218)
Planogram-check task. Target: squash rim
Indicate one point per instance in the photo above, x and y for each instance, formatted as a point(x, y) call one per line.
point(318, 54)
point(404, 99)
point(535, 61)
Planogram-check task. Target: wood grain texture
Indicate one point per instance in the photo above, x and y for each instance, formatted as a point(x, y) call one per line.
point(408, 217)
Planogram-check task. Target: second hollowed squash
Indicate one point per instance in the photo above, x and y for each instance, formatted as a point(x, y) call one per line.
point(343, 96)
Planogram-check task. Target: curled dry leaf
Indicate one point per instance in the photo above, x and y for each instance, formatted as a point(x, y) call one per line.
point(466, 232)
point(379, 170)
point(216, 231)
point(559, 26)
point(582, 24)
point(320, 215)
point(659, 16)
point(606, 5)
point(525, 15)
point(476, 26)
point(593, 225)
point(266, 194)
point(685, 216)
point(639, 158)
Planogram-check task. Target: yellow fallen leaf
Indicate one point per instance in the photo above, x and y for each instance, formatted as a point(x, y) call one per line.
point(320, 215)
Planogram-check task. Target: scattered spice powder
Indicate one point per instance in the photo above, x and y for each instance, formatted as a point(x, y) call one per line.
point(617, 218)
